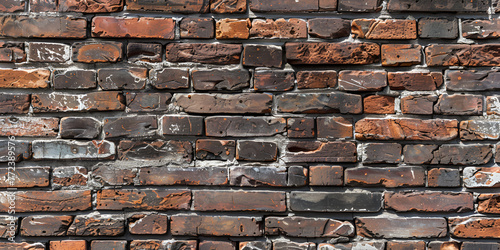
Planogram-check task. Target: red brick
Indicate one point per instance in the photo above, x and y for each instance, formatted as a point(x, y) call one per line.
point(315, 151)
point(43, 6)
point(92, 52)
point(157, 151)
point(488, 203)
point(150, 199)
point(68, 245)
point(301, 127)
point(70, 176)
point(263, 176)
point(12, 52)
point(406, 129)
point(245, 103)
point(232, 28)
point(457, 202)
point(438, 6)
point(355, 245)
point(284, 6)
point(108, 244)
point(222, 245)
point(319, 103)
point(308, 227)
point(96, 224)
point(379, 104)
point(443, 177)
point(204, 53)
point(415, 81)
point(29, 126)
point(43, 27)
point(24, 78)
point(273, 80)
point(326, 176)
point(133, 27)
point(45, 225)
point(479, 130)
point(145, 244)
point(330, 28)
point(26, 177)
point(205, 200)
point(480, 29)
point(192, 176)
point(459, 105)
point(418, 104)
point(48, 201)
point(481, 177)
point(148, 223)
point(194, 6)
point(92, 101)
point(90, 6)
point(474, 228)
point(292, 28)
point(334, 127)
point(401, 54)
point(8, 227)
point(14, 103)
point(74, 79)
point(406, 245)
point(448, 154)
point(384, 29)
point(197, 28)
point(350, 80)
point(286, 244)
point(144, 52)
point(170, 78)
point(316, 79)
point(337, 53)
point(228, 6)
point(327, 5)
point(399, 227)
point(208, 149)
point(447, 54)
point(382, 153)
point(385, 177)
point(12, 6)
point(194, 225)
point(262, 56)
point(182, 125)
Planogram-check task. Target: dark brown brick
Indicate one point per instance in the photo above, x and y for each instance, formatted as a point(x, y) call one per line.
point(80, 127)
point(192, 6)
point(488, 203)
point(472, 80)
point(258, 176)
point(110, 175)
point(22, 151)
point(474, 228)
point(45, 225)
point(356, 245)
point(43, 27)
point(329, 27)
point(8, 227)
point(24, 78)
point(160, 151)
point(292, 28)
point(130, 126)
point(108, 244)
point(147, 102)
point(92, 52)
point(224, 126)
point(406, 245)
point(402, 228)
point(150, 199)
point(286, 244)
point(447, 54)
point(70, 176)
point(29, 126)
point(338, 53)
point(382, 153)
point(480, 29)
point(379, 104)
point(204, 53)
point(47, 201)
point(74, 79)
point(334, 127)
point(256, 151)
point(192, 176)
point(297, 176)
point(448, 154)
point(73, 150)
point(315, 151)
point(441, 28)
point(90, 6)
point(182, 125)
point(208, 149)
point(326, 176)
point(245, 103)
point(12, 6)
point(308, 227)
point(14, 103)
point(443, 177)
point(385, 177)
point(228, 6)
point(92, 101)
point(401, 54)
point(415, 81)
point(49, 52)
point(205, 200)
point(301, 127)
point(43, 5)
point(359, 6)
point(418, 104)
point(459, 105)
point(480, 245)
point(316, 79)
point(263, 56)
point(283, 6)
point(151, 223)
point(25, 177)
point(96, 224)
point(384, 29)
point(228, 28)
point(449, 202)
point(220, 79)
point(438, 6)
point(319, 103)
point(222, 245)
point(145, 244)
point(195, 225)
point(406, 129)
point(119, 79)
point(197, 28)
point(170, 78)
point(133, 27)
point(335, 201)
point(144, 52)
point(12, 52)
point(273, 80)
point(362, 80)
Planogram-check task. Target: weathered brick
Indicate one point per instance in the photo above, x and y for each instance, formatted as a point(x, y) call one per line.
point(197, 28)
point(159, 151)
point(319, 103)
point(23, 245)
point(209, 149)
point(74, 79)
point(283, 6)
point(73, 150)
point(415, 81)
point(292, 28)
point(47, 201)
point(147, 102)
point(8, 227)
point(14, 103)
point(144, 52)
point(255, 245)
point(480, 245)
point(45, 225)
point(448, 154)
point(329, 27)
point(480, 29)
point(245, 103)
point(440, 28)
point(119, 79)
point(224, 126)
point(488, 203)
point(474, 228)
point(151, 223)
point(315, 151)
point(80, 127)
point(43, 5)
point(96, 224)
point(68, 244)
point(406, 129)
point(382, 153)
point(459, 105)
point(93, 52)
point(232, 28)
point(334, 127)
point(335, 201)
point(182, 125)
point(90, 6)
point(361, 245)
point(70, 176)
point(222, 245)
point(228, 6)
point(193, 176)
point(220, 79)
point(263, 56)
point(12, 52)
point(170, 78)
point(479, 130)
point(24, 78)
point(133, 27)
point(379, 104)
point(258, 176)
point(412, 227)
point(326, 176)
point(130, 126)
point(29, 126)
point(148, 199)
point(418, 104)
point(457, 202)
point(92, 101)
point(316, 79)
point(273, 80)
point(492, 105)
point(438, 6)
point(286, 244)
point(447, 54)
point(401, 54)
point(406, 245)
point(481, 177)
point(194, 225)
point(332, 53)
point(443, 177)
point(207, 200)
point(384, 29)
point(49, 52)
point(145, 244)
point(12, 6)
point(350, 80)
point(24, 177)
point(22, 151)
point(110, 175)
point(186, 7)
point(297, 176)
point(256, 151)
point(385, 177)
point(43, 27)
point(301, 127)
point(308, 227)
point(108, 244)
point(472, 80)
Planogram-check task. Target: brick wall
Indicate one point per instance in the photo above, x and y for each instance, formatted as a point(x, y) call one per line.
point(249, 124)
